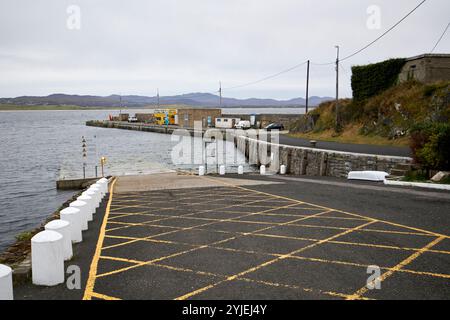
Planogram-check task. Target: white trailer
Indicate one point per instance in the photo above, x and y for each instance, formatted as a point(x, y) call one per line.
point(226, 123)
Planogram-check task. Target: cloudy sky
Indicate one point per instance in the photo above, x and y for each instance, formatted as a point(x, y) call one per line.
point(136, 46)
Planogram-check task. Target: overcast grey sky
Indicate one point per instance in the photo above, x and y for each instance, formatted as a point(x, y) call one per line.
point(135, 46)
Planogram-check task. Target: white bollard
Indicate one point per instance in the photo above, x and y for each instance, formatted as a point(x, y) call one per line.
point(100, 187)
point(262, 170)
point(241, 170)
point(98, 195)
point(95, 198)
point(6, 284)
point(283, 169)
point(222, 170)
point(84, 209)
point(62, 227)
point(47, 258)
point(97, 188)
point(73, 216)
point(91, 205)
point(104, 184)
point(201, 171)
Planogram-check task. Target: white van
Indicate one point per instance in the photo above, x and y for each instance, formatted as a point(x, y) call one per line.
point(243, 124)
point(226, 123)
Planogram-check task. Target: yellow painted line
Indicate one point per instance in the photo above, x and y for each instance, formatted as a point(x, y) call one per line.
point(131, 261)
point(267, 263)
point(204, 273)
point(358, 294)
point(297, 238)
point(191, 250)
point(349, 213)
point(102, 296)
point(202, 225)
point(93, 269)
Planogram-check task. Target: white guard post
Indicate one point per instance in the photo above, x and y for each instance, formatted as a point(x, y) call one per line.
point(47, 258)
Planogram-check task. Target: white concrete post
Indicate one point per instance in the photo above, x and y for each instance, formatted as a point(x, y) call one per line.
point(101, 188)
point(62, 227)
point(47, 258)
point(241, 170)
point(91, 205)
point(201, 171)
point(104, 184)
point(6, 284)
point(222, 170)
point(96, 188)
point(98, 195)
point(283, 169)
point(83, 207)
point(73, 216)
point(95, 200)
point(262, 170)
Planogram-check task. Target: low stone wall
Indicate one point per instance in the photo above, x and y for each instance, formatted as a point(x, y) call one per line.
point(317, 162)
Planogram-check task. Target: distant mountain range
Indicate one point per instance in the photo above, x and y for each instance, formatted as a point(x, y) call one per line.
point(133, 101)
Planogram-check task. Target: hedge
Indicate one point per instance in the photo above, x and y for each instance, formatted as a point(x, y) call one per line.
point(372, 79)
point(430, 144)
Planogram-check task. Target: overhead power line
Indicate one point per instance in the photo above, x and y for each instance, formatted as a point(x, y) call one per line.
point(268, 77)
point(442, 36)
point(377, 39)
point(386, 32)
point(332, 62)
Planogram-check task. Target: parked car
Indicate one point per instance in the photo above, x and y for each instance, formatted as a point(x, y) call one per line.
point(243, 124)
point(274, 126)
point(132, 119)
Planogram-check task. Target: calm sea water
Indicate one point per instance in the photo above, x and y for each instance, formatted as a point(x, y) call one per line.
point(40, 147)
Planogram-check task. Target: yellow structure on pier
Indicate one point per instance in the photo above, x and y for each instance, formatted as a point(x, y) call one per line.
point(160, 116)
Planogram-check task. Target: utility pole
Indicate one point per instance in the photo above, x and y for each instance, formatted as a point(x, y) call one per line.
point(307, 89)
point(337, 90)
point(157, 95)
point(220, 94)
point(120, 111)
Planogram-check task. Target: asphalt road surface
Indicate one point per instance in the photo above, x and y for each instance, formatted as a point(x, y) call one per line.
point(348, 147)
point(289, 238)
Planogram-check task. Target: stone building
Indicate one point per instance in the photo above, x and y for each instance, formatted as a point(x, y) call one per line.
point(426, 68)
point(207, 116)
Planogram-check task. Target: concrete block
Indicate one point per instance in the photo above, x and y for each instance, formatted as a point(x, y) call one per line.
point(91, 205)
point(95, 198)
point(83, 207)
point(73, 216)
point(262, 170)
point(6, 283)
point(63, 228)
point(101, 188)
point(201, 171)
point(222, 170)
point(47, 258)
point(241, 170)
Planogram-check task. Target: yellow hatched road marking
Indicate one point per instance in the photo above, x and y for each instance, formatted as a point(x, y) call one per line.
point(358, 294)
point(98, 250)
point(102, 296)
point(191, 250)
point(267, 263)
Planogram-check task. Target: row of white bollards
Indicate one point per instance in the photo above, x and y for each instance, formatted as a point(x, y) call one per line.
point(222, 170)
point(50, 248)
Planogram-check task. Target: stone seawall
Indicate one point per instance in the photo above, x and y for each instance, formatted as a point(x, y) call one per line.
point(317, 162)
point(131, 126)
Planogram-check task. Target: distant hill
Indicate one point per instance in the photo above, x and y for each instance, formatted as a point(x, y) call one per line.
point(133, 101)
